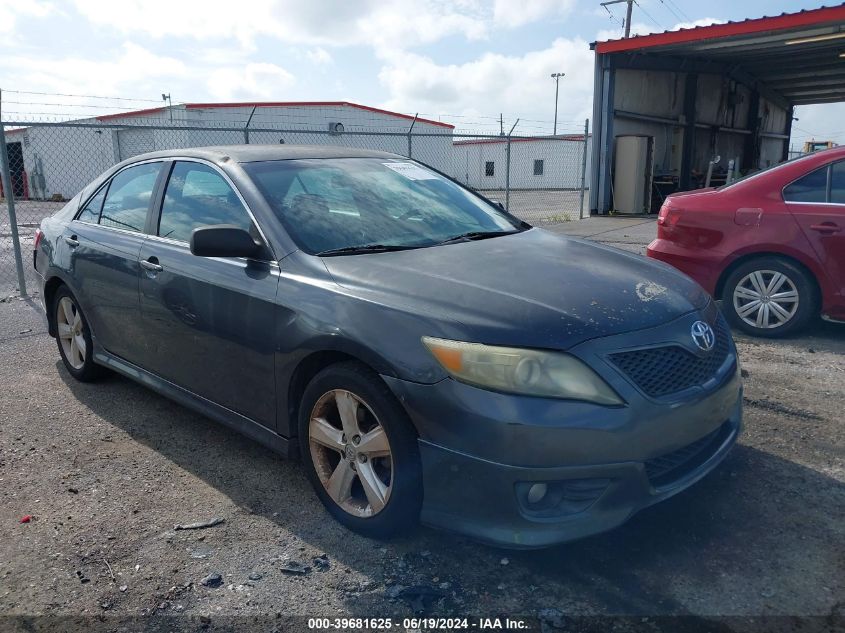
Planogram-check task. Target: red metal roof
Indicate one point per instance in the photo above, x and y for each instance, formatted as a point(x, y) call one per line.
point(134, 113)
point(270, 104)
point(807, 17)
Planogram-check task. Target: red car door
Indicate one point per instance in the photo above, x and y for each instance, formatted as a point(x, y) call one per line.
point(817, 202)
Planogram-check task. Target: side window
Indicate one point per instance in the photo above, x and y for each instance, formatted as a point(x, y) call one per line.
point(837, 183)
point(91, 212)
point(196, 196)
point(810, 188)
point(128, 197)
point(489, 168)
point(538, 167)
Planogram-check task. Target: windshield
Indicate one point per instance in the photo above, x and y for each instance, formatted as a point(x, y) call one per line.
point(341, 204)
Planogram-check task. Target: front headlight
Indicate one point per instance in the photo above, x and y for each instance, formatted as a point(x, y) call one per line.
point(523, 371)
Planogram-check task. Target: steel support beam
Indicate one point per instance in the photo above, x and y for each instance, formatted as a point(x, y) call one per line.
point(788, 131)
point(607, 145)
point(751, 155)
point(690, 96)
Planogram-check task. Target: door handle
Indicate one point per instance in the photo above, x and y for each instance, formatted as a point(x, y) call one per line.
point(825, 227)
point(152, 266)
point(72, 241)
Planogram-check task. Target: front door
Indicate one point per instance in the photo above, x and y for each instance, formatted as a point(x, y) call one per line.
point(817, 202)
point(210, 320)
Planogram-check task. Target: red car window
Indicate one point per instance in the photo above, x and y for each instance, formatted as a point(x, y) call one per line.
point(809, 188)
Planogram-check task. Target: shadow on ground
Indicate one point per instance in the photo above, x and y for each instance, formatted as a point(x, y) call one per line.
point(759, 535)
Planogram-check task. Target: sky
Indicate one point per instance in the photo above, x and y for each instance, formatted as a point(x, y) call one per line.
point(461, 61)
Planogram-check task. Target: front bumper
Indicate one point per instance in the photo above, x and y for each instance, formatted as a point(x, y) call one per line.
point(482, 451)
point(486, 499)
point(482, 499)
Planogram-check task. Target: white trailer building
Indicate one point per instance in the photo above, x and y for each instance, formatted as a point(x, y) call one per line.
point(551, 162)
point(59, 160)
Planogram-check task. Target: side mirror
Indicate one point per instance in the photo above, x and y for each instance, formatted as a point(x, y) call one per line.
point(223, 240)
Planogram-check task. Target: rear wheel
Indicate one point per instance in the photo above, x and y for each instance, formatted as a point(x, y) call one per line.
point(770, 297)
point(73, 337)
point(360, 451)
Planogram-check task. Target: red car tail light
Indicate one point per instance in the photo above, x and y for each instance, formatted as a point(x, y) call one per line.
point(667, 219)
point(38, 235)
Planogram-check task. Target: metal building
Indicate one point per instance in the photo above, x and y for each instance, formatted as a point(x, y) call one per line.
point(712, 102)
point(536, 163)
point(58, 160)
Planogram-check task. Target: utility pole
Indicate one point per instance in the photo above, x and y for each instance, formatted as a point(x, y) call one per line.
point(630, 10)
point(556, 77)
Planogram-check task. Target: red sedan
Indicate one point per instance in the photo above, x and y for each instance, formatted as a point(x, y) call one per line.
point(772, 246)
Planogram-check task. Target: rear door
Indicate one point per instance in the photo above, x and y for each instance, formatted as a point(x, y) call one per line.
point(209, 320)
point(103, 243)
point(817, 202)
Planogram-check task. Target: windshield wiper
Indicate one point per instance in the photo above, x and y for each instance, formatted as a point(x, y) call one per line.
point(364, 248)
point(475, 235)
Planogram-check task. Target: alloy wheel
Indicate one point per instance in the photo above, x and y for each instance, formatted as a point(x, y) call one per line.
point(71, 337)
point(766, 299)
point(351, 453)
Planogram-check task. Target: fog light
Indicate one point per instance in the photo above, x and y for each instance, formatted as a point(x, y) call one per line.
point(536, 493)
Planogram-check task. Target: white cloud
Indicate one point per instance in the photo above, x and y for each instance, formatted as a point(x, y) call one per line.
point(257, 80)
point(641, 28)
point(695, 23)
point(513, 13)
point(378, 23)
point(124, 72)
point(518, 85)
point(319, 56)
point(13, 10)
point(402, 24)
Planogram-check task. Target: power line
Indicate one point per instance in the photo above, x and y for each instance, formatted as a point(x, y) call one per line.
point(648, 15)
point(675, 13)
point(680, 10)
point(59, 94)
point(72, 105)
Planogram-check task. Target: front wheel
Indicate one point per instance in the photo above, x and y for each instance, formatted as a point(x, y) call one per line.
point(770, 297)
point(360, 451)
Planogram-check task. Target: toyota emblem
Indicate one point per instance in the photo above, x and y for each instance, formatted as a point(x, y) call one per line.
point(703, 336)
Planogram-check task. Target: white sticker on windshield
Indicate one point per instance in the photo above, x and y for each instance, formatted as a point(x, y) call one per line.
point(411, 171)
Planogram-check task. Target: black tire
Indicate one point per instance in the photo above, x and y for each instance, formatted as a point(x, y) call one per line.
point(89, 371)
point(402, 509)
point(806, 310)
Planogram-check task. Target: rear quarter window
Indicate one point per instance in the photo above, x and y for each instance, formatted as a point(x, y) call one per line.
point(809, 188)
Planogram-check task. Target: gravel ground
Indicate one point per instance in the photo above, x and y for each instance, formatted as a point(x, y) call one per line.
point(107, 470)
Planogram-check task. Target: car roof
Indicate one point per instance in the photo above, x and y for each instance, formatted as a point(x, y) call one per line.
point(254, 153)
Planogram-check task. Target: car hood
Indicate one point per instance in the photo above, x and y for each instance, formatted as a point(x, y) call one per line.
point(532, 288)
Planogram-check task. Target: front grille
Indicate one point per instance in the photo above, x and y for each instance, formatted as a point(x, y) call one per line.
point(667, 468)
point(661, 371)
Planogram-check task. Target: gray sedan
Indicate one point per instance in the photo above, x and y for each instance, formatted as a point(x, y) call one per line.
point(427, 355)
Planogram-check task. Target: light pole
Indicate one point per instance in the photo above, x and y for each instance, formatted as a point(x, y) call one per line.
point(556, 77)
point(166, 98)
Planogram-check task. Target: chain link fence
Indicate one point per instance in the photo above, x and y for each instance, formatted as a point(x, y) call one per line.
point(540, 179)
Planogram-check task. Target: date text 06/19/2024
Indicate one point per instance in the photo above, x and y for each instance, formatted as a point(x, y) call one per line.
point(416, 624)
